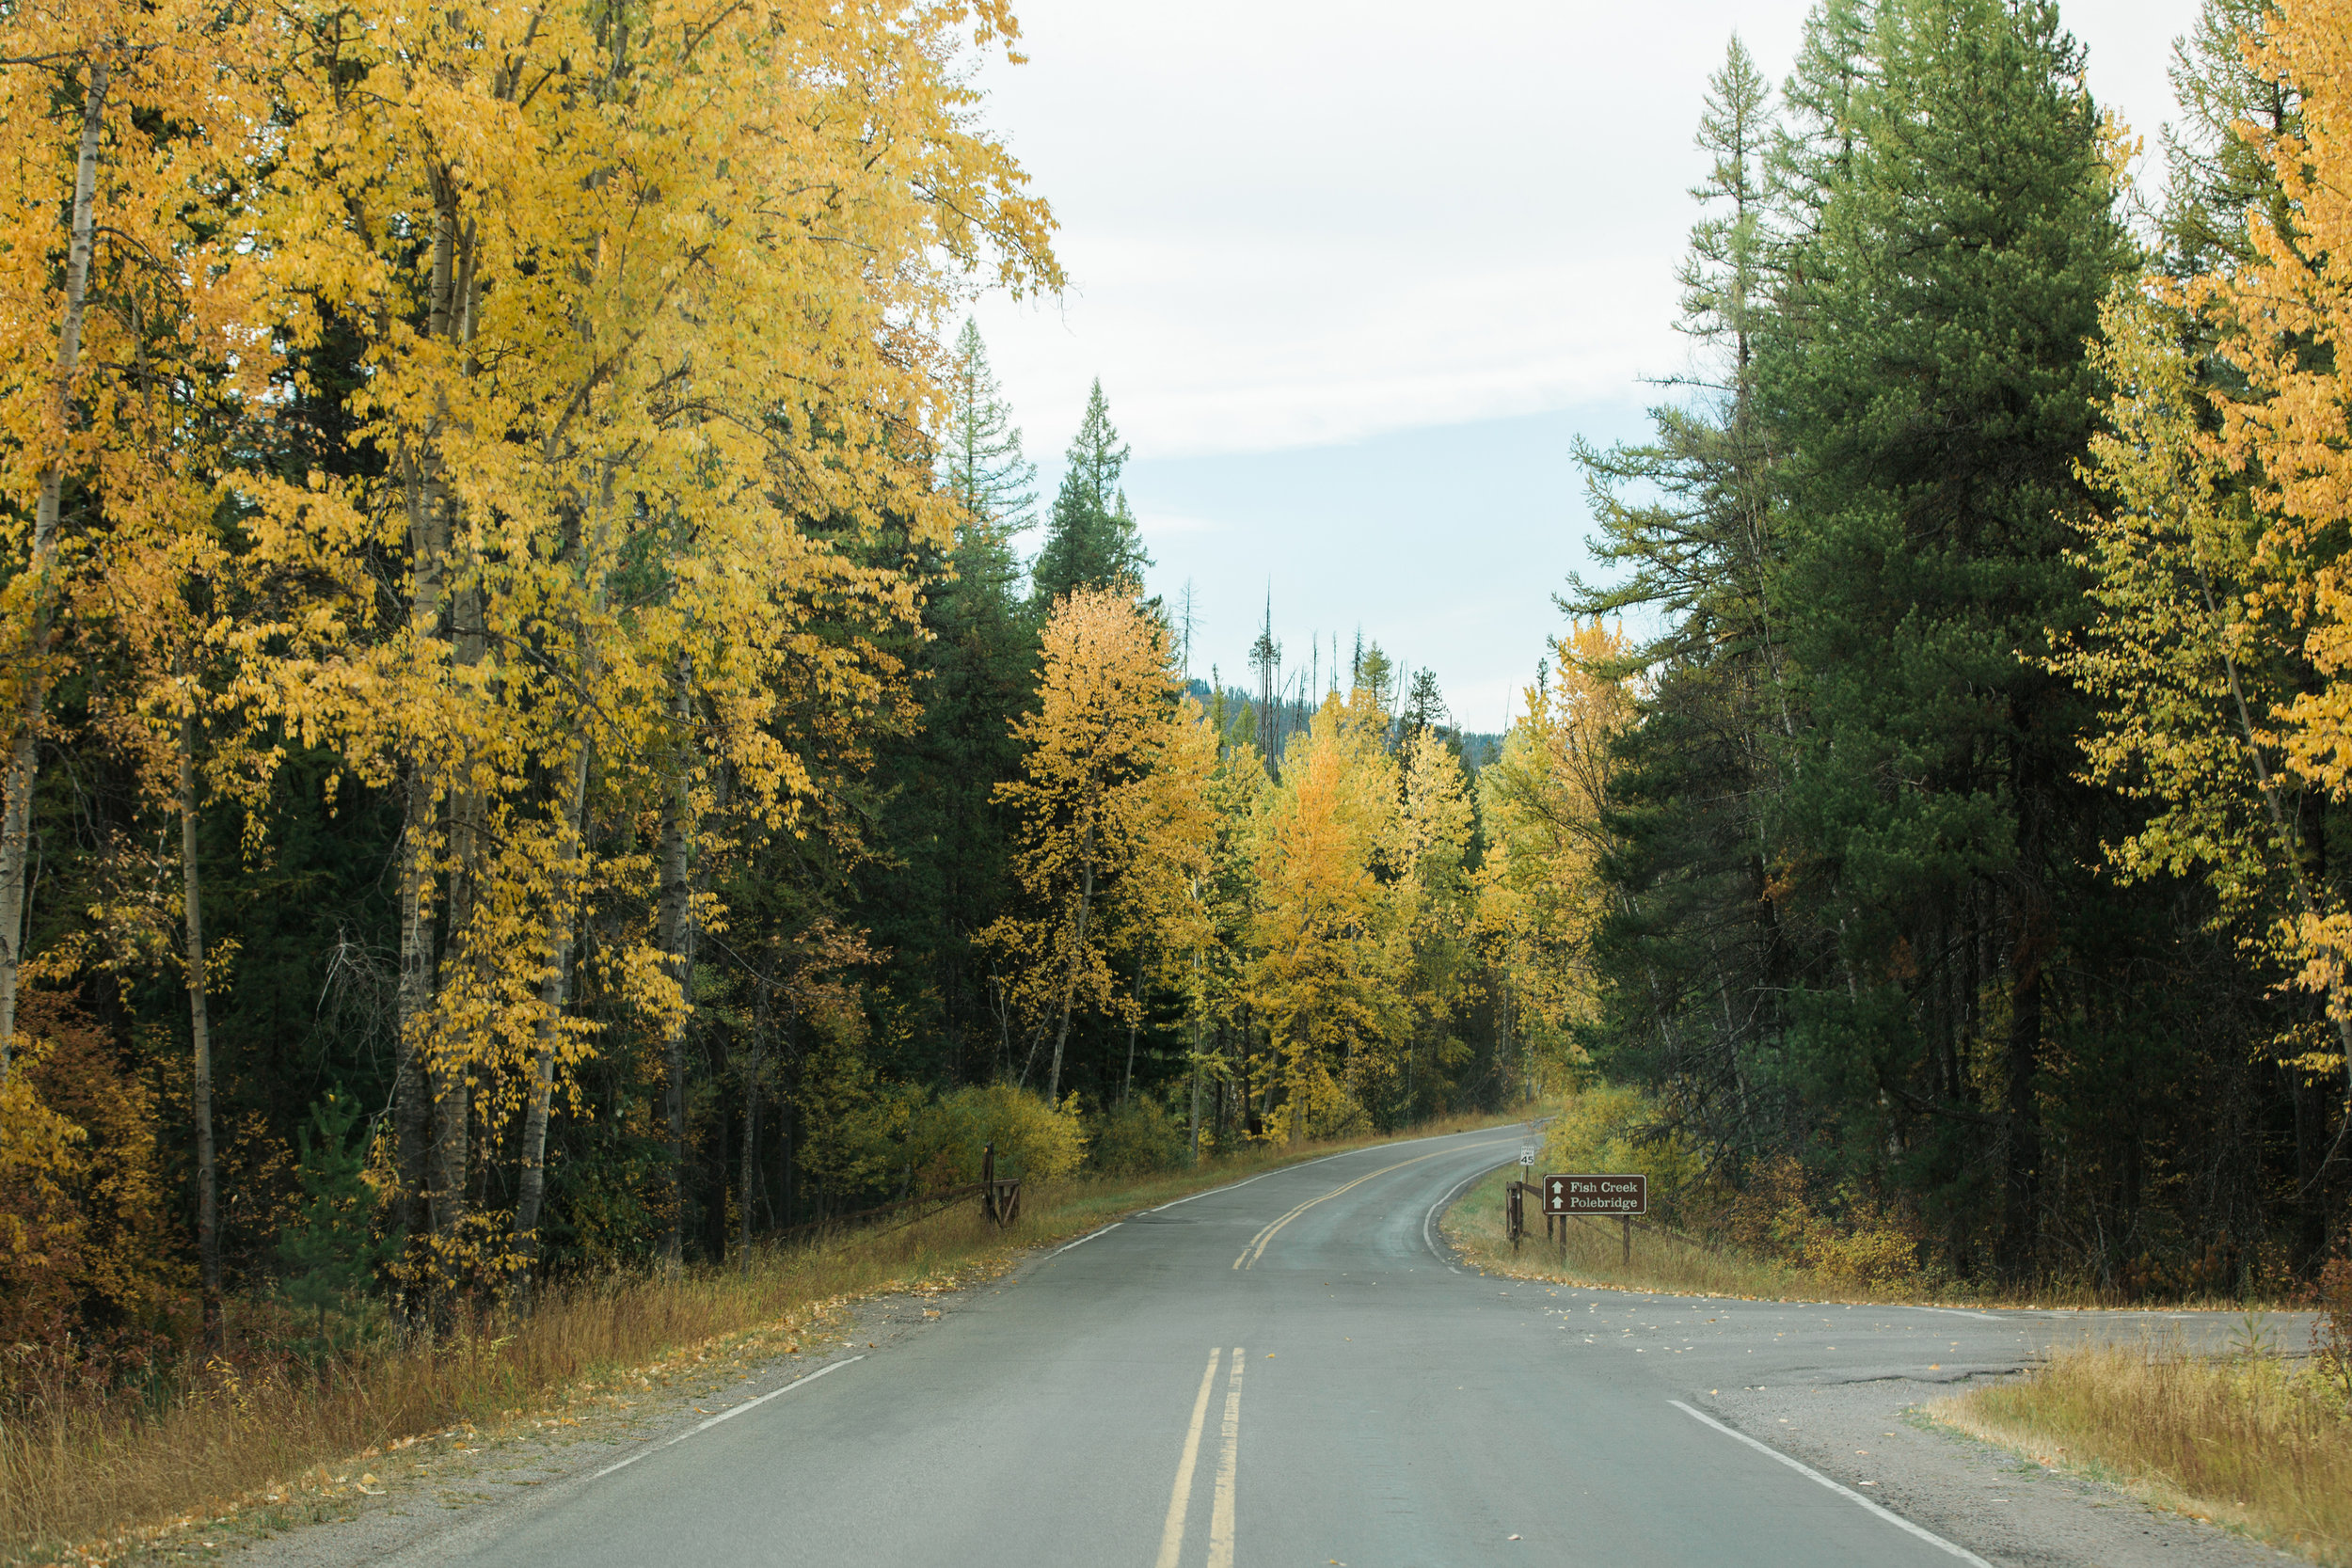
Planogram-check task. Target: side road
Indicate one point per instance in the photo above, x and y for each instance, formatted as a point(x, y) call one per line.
point(1844, 1389)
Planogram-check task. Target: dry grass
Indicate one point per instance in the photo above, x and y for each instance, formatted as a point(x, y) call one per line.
point(78, 1477)
point(1593, 1255)
point(1679, 1265)
point(2251, 1441)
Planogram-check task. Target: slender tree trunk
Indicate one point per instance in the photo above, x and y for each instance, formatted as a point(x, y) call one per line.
point(1133, 1020)
point(1294, 1087)
point(1193, 1140)
point(675, 936)
point(555, 990)
point(449, 1068)
point(414, 998)
point(1069, 985)
point(2020, 1228)
point(200, 1091)
point(751, 1145)
point(24, 771)
point(554, 994)
point(429, 524)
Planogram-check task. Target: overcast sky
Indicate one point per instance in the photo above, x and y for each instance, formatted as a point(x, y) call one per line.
point(1354, 276)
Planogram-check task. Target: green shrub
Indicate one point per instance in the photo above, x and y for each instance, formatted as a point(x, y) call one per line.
point(1330, 1111)
point(1035, 1139)
point(1620, 1130)
point(1135, 1139)
point(328, 1249)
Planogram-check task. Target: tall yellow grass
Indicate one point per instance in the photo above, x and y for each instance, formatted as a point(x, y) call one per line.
point(74, 1471)
point(1594, 1254)
point(1676, 1264)
point(2254, 1441)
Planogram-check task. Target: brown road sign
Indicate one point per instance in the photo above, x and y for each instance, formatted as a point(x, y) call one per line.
point(1596, 1195)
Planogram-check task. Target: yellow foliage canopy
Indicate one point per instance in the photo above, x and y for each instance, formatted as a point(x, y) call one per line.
point(1542, 893)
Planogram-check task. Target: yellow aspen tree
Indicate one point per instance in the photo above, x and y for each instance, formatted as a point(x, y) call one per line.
point(1322, 979)
point(648, 293)
point(1436, 902)
point(1211, 947)
point(2283, 320)
point(2191, 653)
point(129, 121)
point(1541, 891)
point(154, 597)
point(1089, 805)
point(1161, 913)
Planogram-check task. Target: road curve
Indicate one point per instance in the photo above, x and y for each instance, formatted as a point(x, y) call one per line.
point(1287, 1371)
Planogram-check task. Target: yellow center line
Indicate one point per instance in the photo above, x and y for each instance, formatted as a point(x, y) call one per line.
point(1228, 1465)
point(1172, 1537)
point(1256, 1249)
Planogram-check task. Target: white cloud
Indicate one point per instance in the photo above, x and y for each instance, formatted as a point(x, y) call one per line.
point(1295, 225)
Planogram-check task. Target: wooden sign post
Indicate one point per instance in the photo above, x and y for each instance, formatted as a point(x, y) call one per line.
point(1575, 1193)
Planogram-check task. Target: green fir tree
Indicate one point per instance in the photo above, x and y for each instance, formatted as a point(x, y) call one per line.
point(1090, 539)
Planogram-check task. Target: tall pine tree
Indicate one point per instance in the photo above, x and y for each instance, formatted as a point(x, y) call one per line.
point(1937, 399)
point(1091, 541)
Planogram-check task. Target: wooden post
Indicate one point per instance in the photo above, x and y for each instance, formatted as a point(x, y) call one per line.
point(1627, 1220)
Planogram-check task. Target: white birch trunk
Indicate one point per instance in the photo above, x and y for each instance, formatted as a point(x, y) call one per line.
point(24, 771)
point(199, 1024)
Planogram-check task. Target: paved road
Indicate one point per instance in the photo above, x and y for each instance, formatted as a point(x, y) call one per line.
point(1289, 1371)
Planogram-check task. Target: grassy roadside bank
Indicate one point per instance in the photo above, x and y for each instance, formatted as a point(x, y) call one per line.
point(1593, 1253)
point(2254, 1442)
point(1594, 1257)
point(84, 1481)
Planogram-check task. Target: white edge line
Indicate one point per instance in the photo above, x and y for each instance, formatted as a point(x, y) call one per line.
point(724, 1416)
point(1964, 1312)
point(1430, 1219)
point(1085, 1238)
point(1847, 1492)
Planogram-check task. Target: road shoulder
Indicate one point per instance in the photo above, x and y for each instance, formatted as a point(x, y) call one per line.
point(401, 1503)
point(1874, 1436)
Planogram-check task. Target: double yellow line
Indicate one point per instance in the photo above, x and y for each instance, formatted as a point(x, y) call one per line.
point(1227, 1468)
point(1256, 1249)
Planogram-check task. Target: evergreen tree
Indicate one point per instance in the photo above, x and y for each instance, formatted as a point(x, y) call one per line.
point(1688, 516)
point(1937, 402)
point(2216, 174)
point(1424, 707)
point(980, 461)
point(1090, 540)
point(329, 1252)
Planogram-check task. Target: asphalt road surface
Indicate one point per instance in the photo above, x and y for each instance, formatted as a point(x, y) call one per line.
point(1288, 1371)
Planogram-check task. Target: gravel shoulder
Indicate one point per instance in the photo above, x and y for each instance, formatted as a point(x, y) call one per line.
point(1874, 1436)
point(384, 1505)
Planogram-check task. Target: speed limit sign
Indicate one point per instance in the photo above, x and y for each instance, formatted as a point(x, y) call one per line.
point(1527, 1156)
